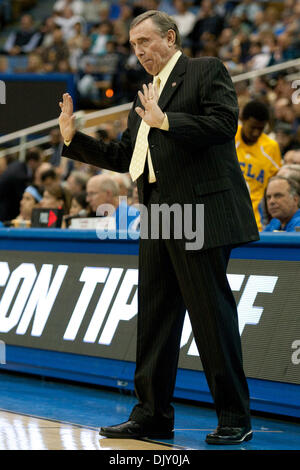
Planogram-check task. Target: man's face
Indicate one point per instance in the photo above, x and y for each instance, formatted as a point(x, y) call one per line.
point(26, 22)
point(48, 182)
point(50, 202)
point(95, 196)
point(281, 204)
point(26, 205)
point(152, 50)
point(252, 130)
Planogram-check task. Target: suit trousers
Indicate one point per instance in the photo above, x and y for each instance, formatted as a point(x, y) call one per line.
point(171, 281)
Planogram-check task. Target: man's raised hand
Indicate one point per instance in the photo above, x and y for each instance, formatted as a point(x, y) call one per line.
point(151, 114)
point(67, 118)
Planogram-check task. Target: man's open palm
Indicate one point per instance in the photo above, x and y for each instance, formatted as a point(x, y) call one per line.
point(67, 118)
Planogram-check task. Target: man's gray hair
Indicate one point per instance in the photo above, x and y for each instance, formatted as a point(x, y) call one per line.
point(294, 187)
point(109, 184)
point(162, 21)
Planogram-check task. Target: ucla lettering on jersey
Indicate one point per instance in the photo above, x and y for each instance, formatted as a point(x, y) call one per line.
point(247, 169)
point(258, 163)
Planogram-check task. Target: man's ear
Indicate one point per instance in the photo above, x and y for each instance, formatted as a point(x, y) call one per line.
point(171, 35)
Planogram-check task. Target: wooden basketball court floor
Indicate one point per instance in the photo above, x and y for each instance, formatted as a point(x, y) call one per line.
point(43, 414)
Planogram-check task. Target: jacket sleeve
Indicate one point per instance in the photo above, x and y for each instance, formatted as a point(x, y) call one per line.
point(114, 156)
point(218, 121)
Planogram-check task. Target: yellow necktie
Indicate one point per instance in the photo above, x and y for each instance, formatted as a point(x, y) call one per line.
point(140, 152)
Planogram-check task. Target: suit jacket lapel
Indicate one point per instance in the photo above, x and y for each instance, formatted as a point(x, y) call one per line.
point(174, 81)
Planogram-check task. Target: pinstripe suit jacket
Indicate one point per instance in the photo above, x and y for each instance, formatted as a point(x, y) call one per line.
point(195, 161)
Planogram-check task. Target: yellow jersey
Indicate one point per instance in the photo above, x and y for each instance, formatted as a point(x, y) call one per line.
point(258, 162)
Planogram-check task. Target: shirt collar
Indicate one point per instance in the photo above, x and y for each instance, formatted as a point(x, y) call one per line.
point(166, 71)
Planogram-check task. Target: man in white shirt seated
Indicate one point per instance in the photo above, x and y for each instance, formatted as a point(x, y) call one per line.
point(103, 196)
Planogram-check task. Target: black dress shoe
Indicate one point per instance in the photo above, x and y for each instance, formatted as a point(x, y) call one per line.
point(228, 435)
point(133, 430)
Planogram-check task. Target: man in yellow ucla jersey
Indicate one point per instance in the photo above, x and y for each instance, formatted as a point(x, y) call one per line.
point(259, 155)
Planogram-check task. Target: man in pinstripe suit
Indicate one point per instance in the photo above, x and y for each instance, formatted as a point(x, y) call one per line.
point(192, 119)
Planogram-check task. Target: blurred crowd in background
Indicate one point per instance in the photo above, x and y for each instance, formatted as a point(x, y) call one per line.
point(90, 39)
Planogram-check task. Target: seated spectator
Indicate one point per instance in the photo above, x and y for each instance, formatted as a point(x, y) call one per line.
point(30, 200)
point(103, 197)
point(56, 197)
point(209, 46)
point(44, 166)
point(54, 147)
point(56, 52)
point(87, 85)
point(34, 64)
point(258, 59)
point(67, 22)
point(247, 10)
point(281, 109)
point(284, 135)
point(83, 56)
point(13, 181)
point(100, 36)
point(121, 37)
point(24, 39)
point(46, 28)
point(63, 166)
point(238, 26)
point(79, 208)
point(99, 74)
point(49, 178)
point(75, 44)
point(108, 63)
point(167, 6)
point(258, 23)
point(101, 189)
point(77, 6)
point(93, 9)
point(206, 22)
point(286, 123)
point(261, 90)
point(287, 45)
point(225, 44)
point(273, 21)
point(125, 16)
point(78, 204)
point(223, 8)
point(76, 182)
point(259, 155)
point(283, 200)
